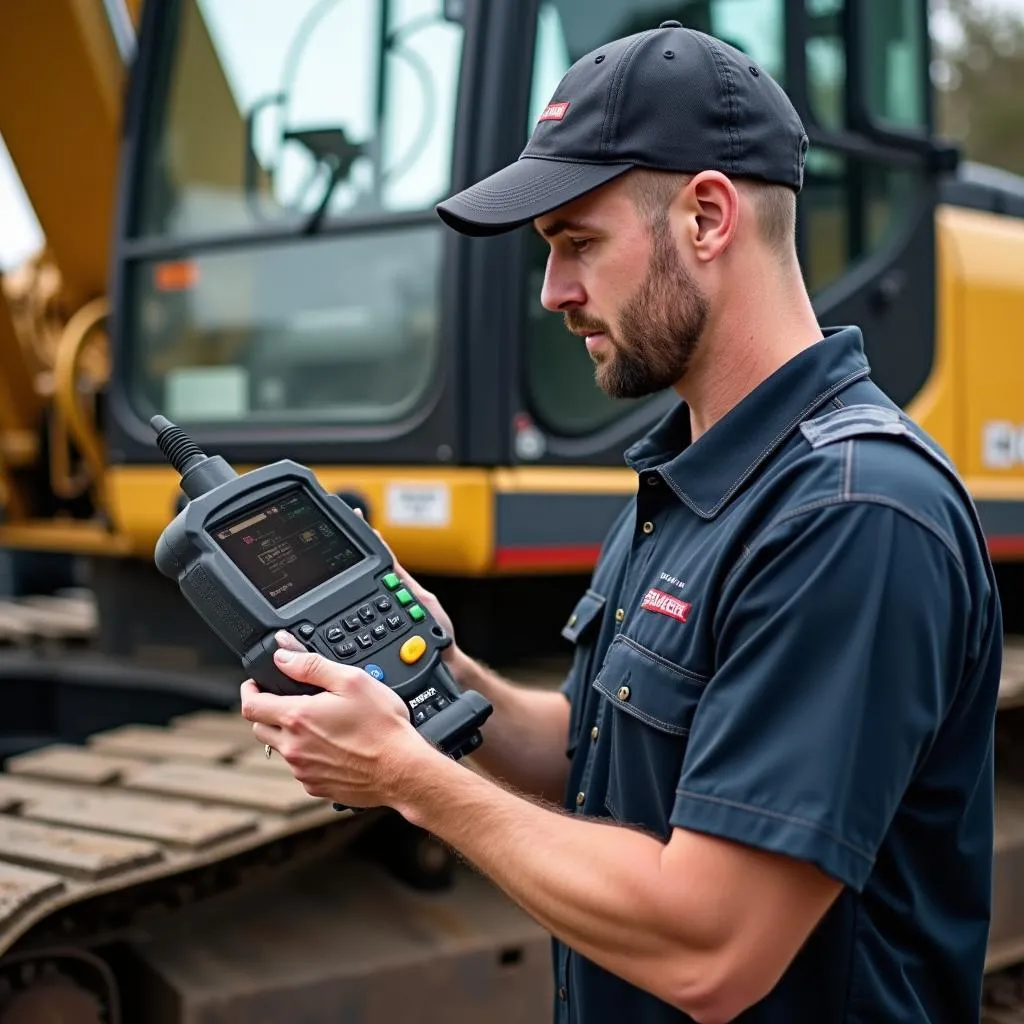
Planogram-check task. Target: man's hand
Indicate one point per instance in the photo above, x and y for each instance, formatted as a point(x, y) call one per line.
point(352, 744)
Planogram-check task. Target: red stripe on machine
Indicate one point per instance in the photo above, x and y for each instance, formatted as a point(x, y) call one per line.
point(1006, 546)
point(665, 604)
point(555, 555)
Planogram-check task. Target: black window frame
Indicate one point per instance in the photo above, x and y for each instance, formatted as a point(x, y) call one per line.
point(434, 431)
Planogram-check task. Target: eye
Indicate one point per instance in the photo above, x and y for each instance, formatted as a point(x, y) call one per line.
point(579, 244)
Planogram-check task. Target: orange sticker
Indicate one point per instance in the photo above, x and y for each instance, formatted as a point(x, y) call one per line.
point(175, 276)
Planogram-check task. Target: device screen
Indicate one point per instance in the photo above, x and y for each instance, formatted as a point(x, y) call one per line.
point(287, 546)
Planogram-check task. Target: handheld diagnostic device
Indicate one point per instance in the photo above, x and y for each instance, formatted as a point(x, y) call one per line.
point(270, 550)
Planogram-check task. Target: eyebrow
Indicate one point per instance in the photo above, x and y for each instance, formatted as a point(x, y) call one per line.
point(559, 226)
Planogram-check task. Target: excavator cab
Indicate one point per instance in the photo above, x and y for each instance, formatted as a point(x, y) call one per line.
point(282, 283)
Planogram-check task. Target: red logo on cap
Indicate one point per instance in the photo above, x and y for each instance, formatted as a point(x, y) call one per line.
point(665, 604)
point(554, 112)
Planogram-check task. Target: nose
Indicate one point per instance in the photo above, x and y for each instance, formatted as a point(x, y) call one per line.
point(562, 289)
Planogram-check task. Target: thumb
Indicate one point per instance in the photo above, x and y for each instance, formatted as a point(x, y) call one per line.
point(312, 668)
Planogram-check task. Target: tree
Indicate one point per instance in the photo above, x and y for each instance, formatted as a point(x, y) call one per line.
point(977, 71)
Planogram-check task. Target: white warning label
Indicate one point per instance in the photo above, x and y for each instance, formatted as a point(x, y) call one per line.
point(418, 505)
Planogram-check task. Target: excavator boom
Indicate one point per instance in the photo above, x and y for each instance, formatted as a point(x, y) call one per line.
point(64, 55)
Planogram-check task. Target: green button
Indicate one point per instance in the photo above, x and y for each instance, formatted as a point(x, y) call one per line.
point(416, 613)
point(391, 581)
point(404, 597)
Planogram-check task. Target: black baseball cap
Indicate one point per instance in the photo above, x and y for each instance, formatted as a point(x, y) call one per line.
point(671, 99)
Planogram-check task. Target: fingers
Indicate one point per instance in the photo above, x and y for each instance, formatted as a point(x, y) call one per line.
point(266, 708)
point(269, 735)
point(316, 670)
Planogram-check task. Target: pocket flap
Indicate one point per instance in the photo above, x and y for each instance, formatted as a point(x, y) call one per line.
point(585, 614)
point(646, 686)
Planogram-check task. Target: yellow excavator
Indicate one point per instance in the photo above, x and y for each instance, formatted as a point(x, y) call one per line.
point(237, 200)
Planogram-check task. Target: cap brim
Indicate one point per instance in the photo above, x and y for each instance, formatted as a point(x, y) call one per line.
point(516, 194)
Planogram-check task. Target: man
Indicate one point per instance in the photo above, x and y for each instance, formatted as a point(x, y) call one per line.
point(778, 796)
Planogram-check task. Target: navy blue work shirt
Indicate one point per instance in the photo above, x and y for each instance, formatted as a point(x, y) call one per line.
point(793, 640)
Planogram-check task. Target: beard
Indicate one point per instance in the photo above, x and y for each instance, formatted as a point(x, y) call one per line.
point(659, 328)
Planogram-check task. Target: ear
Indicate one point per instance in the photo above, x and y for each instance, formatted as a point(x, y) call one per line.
point(711, 207)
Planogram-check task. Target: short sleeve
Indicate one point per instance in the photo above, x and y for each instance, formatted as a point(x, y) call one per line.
point(838, 645)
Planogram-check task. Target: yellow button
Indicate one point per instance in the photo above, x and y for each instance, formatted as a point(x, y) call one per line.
point(412, 650)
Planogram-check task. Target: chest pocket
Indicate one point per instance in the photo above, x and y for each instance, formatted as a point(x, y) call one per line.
point(648, 710)
point(581, 630)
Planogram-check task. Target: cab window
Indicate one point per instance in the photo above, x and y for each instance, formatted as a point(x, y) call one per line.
point(284, 257)
point(852, 206)
point(259, 123)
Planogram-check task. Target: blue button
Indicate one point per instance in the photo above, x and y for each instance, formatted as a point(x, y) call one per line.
point(376, 671)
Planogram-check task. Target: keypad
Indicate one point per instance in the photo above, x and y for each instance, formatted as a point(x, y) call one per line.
point(373, 622)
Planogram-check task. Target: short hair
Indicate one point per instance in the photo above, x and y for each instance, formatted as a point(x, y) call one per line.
point(653, 192)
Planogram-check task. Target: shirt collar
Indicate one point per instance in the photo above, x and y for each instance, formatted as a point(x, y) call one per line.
point(706, 474)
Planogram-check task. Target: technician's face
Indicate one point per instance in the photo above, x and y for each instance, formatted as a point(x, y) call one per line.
point(622, 286)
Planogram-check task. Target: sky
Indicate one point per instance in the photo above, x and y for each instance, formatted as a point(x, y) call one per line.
point(20, 234)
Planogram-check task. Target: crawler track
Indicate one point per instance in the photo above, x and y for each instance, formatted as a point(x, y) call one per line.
point(139, 804)
point(142, 816)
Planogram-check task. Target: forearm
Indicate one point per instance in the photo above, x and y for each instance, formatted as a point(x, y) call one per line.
point(598, 887)
point(525, 737)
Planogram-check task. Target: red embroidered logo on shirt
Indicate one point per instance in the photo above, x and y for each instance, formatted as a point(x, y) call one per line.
point(665, 604)
point(554, 112)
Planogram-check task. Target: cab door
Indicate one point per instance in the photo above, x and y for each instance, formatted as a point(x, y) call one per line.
point(857, 70)
point(282, 279)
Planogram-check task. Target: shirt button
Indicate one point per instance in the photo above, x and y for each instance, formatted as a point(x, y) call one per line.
point(623, 693)
point(562, 994)
point(580, 797)
point(593, 733)
point(620, 614)
point(648, 527)
point(652, 481)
